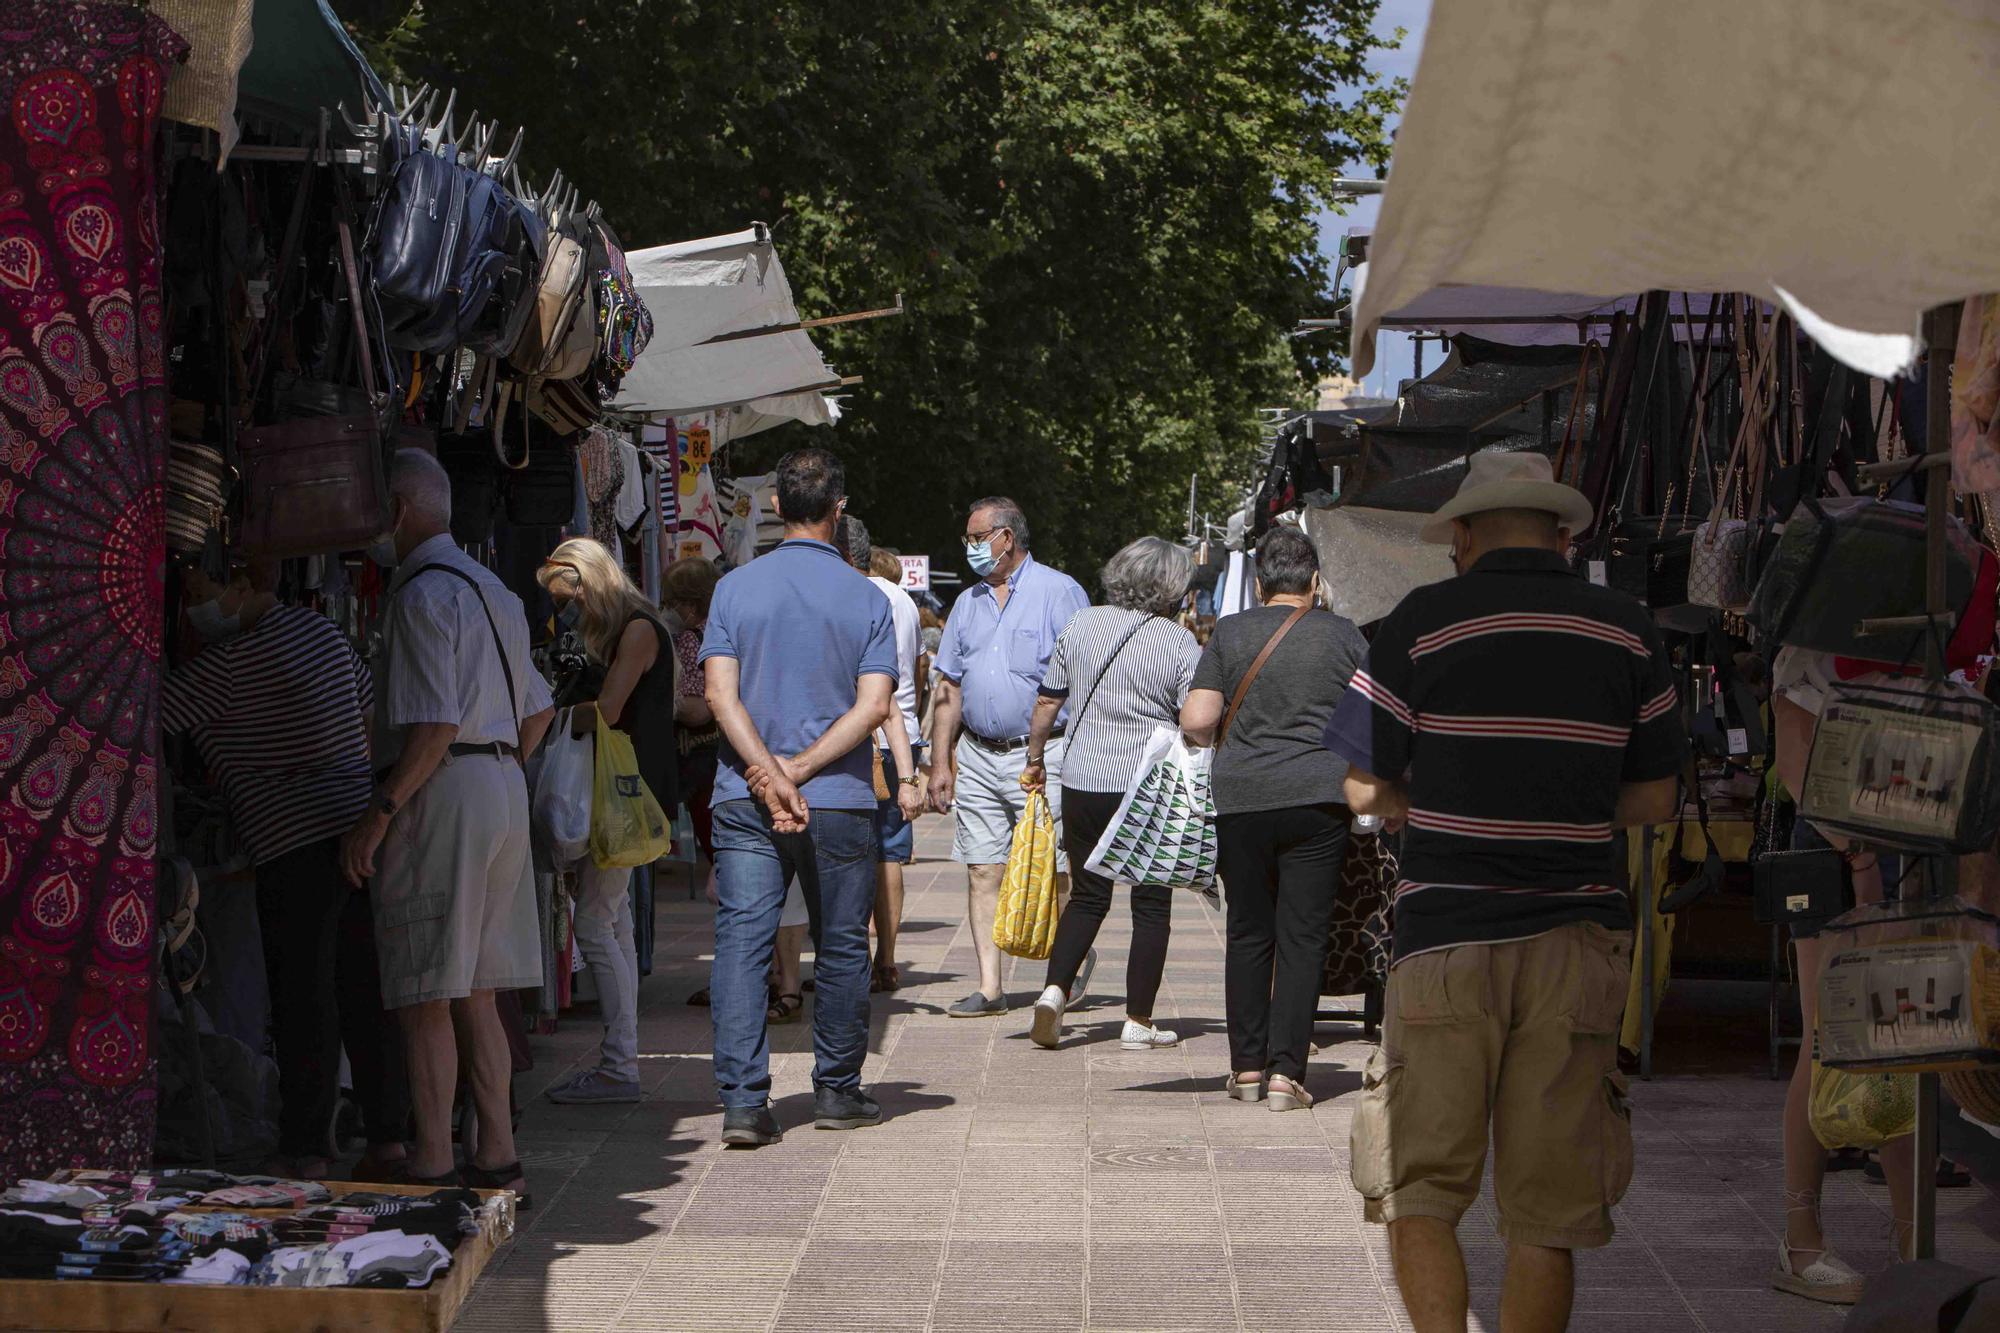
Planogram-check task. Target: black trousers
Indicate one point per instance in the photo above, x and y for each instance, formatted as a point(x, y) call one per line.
point(326, 992)
point(1085, 815)
point(1281, 870)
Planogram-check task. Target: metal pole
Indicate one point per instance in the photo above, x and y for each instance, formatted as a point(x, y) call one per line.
point(1940, 872)
point(1646, 946)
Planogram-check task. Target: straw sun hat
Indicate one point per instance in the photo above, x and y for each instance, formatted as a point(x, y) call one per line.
point(1509, 481)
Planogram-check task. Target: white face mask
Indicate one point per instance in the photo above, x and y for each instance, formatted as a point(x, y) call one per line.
point(209, 621)
point(383, 549)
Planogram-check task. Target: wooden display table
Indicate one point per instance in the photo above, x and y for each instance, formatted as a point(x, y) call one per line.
point(48, 1306)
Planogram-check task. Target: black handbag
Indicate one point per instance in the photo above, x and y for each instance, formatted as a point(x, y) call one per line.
point(1800, 888)
point(1649, 559)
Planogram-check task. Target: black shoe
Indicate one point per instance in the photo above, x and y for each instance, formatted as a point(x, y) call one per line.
point(750, 1127)
point(834, 1109)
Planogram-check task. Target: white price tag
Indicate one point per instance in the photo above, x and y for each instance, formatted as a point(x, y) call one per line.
point(1739, 740)
point(1597, 574)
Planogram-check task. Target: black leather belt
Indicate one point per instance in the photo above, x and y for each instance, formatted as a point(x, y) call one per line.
point(991, 746)
point(498, 749)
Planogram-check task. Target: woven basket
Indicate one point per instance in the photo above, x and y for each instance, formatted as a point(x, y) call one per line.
point(1976, 1090)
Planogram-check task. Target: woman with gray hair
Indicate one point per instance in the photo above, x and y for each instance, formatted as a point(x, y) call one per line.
point(1126, 668)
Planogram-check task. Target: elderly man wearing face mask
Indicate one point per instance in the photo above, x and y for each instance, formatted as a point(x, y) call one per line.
point(277, 703)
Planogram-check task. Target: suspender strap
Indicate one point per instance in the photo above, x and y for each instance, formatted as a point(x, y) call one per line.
point(513, 698)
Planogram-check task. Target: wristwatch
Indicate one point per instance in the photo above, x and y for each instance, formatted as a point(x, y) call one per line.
point(386, 803)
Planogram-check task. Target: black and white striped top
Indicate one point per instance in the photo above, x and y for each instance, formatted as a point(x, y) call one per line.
point(1143, 690)
point(277, 714)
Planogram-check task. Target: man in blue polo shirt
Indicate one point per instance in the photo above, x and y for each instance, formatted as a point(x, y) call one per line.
point(800, 659)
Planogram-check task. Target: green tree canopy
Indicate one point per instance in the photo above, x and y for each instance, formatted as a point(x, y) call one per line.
point(1101, 212)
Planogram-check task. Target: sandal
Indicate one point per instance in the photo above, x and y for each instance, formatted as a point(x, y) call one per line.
point(1240, 1091)
point(1287, 1094)
point(785, 1009)
point(399, 1173)
point(887, 978)
point(508, 1177)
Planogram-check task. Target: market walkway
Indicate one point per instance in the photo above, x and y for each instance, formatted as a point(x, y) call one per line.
point(1019, 1189)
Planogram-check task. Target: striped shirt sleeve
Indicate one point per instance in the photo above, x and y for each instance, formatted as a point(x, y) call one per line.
point(1658, 747)
point(195, 692)
point(1055, 680)
point(1374, 723)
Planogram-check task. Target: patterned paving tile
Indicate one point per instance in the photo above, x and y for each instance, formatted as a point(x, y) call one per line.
point(1016, 1190)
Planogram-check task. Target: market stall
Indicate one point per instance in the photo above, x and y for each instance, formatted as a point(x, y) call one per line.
point(1551, 145)
point(210, 369)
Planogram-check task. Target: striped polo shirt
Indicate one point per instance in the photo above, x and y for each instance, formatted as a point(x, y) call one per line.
point(277, 714)
point(1132, 690)
point(1515, 700)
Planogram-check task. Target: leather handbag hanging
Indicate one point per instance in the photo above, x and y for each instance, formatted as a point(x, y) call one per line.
point(1718, 559)
point(316, 485)
point(560, 292)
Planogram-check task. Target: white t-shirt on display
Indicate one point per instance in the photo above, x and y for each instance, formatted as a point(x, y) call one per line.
point(907, 625)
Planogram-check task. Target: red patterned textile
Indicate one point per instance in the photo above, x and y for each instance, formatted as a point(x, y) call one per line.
point(83, 442)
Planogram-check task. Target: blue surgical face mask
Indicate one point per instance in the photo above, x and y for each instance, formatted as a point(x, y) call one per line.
point(570, 616)
point(211, 624)
point(980, 556)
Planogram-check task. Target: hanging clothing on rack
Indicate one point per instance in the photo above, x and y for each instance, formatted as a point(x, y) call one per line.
point(83, 421)
point(603, 482)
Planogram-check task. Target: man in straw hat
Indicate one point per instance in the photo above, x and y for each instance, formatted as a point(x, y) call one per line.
point(1509, 720)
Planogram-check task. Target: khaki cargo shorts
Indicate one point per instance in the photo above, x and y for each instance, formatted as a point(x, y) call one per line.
point(454, 890)
point(1523, 1035)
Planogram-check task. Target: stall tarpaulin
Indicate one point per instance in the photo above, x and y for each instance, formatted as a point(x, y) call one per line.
point(1374, 558)
point(1799, 152)
point(714, 302)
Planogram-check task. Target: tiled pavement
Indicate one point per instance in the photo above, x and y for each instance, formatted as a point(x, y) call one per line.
point(1018, 1189)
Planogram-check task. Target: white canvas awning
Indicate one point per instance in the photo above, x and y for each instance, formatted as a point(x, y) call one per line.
point(724, 334)
point(1827, 155)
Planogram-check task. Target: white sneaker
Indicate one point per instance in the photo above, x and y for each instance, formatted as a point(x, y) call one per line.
point(1824, 1279)
point(1048, 1029)
point(1139, 1037)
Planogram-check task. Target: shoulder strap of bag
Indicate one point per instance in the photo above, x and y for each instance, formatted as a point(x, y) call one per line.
point(1130, 634)
point(1270, 646)
point(513, 698)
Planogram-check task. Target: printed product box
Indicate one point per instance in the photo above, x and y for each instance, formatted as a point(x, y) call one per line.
point(1912, 1004)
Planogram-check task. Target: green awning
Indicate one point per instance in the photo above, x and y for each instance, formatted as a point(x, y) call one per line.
point(302, 60)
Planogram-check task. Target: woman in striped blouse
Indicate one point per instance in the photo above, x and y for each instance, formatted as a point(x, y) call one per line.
point(1122, 671)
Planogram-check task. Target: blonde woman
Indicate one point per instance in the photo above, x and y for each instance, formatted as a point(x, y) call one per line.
point(629, 644)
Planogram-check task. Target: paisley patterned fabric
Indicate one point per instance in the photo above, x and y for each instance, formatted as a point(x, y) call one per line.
point(83, 443)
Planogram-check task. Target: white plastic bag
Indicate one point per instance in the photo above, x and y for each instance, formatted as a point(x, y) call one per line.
point(1164, 831)
point(561, 810)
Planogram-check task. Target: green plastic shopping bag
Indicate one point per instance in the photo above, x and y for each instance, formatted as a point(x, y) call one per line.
point(627, 825)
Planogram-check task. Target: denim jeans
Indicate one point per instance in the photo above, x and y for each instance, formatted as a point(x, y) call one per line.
point(834, 860)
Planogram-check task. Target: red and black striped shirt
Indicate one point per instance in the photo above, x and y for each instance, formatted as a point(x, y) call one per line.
point(1515, 700)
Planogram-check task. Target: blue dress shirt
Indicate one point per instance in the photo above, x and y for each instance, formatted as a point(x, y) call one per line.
point(996, 655)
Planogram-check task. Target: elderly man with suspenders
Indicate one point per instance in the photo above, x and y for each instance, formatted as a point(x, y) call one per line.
point(445, 842)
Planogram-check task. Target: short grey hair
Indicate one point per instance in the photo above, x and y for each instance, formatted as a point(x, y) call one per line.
point(1004, 513)
point(420, 481)
point(1286, 562)
point(1150, 575)
point(852, 538)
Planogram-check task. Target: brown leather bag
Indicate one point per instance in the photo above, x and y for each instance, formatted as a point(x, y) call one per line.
point(317, 485)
